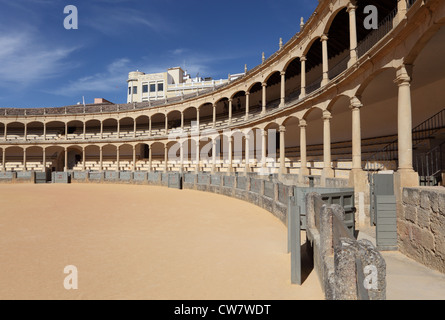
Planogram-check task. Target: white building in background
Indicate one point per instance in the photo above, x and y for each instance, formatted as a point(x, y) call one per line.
point(173, 83)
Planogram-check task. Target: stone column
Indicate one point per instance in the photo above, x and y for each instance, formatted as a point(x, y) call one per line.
point(356, 134)
point(84, 131)
point(247, 105)
point(324, 44)
point(6, 132)
point(118, 157)
point(264, 99)
point(304, 171)
point(149, 127)
point(26, 132)
point(214, 115)
point(213, 155)
point(66, 159)
point(230, 111)
point(150, 157)
point(24, 159)
point(229, 155)
point(403, 81)
point(101, 160)
point(4, 159)
point(303, 77)
point(166, 159)
point(44, 131)
point(402, 8)
point(166, 124)
point(83, 159)
point(134, 159)
point(181, 157)
point(182, 120)
point(118, 128)
point(263, 149)
point(101, 130)
point(327, 168)
point(247, 154)
point(352, 33)
point(197, 155)
point(134, 128)
point(282, 150)
point(283, 89)
point(197, 120)
point(44, 159)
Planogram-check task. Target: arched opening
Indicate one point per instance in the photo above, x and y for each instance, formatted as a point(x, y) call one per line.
point(55, 130)
point(273, 90)
point(292, 144)
point(15, 131)
point(75, 155)
point(158, 124)
point(35, 130)
point(158, 154)
point(190, 118)
point(92, 129)
point(222, 111)
point(314, 66)
point(174, 120)
point(55, 158)
point(142, 126)
point(314, 140)
point(293, 79)
point(206, 115)
point(239, 106)
point(339, 44)
point(126, 126)
point(255, 99)
point(109, 128)
point(75, 130)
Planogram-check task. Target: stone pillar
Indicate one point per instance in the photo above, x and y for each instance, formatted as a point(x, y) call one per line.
point(44, 131)
point(83, 159)
point(84, 131)
point(118, 129)
point(327, 167)
point(402, 8)
point(118, 157)
point(282, 150)
point(149, 127)
point(181, 157)
point(24, 159)
point(247, 105)
point(197, 120)
point(263, 149)
point(324, 44)
point(134, 128)
point(150, 157)
point(304, 171)
point(66, 159)
point(166, 124)
point(352, 33)
point(214, 115)
point(134, 159)
point(101, 160)
point(264, 99)
point(283, 89)
point(403, 81)
point(247, 154)
point(6, 132)
point(229, 155)
point(213, 155)
point(356, 134)
point(101, 130)
point(230, 111)
point(165, 158)
point(4, 159)
point(303, 77)
point(26, 132)
point(182, 120)
point(44, 159)
point(197, 155)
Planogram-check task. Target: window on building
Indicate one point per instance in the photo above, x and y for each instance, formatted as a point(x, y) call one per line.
point(160, 87)
point(145, 88)
point(153, 87)
point(129, 90)
point(135, 90)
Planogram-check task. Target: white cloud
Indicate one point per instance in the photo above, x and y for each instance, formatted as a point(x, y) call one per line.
point(25, 60)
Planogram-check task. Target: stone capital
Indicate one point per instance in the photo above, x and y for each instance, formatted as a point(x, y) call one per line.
point(282, 129)
point(283, 73)
point(404, 75)
point(355, 103)
point(303, 123)
point(303, 58)
point(327, 115)
point(324, 37)
point(352, 6)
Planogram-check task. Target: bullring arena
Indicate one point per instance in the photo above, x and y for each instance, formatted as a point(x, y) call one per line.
point(337, 107)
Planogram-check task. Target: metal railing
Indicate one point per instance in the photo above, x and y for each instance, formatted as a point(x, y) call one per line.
point(409, 3)
point(423, 131)
point(430, 166)
point(384, 27)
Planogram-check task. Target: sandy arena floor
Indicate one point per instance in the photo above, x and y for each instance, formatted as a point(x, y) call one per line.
point(141, 242)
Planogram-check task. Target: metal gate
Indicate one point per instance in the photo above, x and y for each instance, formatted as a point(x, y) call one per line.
point(346, 200)
point(383, 210)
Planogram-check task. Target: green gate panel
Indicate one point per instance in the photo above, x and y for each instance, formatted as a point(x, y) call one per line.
point(386, 226)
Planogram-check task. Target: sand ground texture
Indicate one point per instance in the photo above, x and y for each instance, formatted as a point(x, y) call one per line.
point(141, 242)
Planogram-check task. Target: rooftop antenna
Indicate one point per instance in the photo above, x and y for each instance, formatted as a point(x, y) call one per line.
point(83, 99)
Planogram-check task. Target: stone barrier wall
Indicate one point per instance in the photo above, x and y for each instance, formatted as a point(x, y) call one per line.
point(421, 226)
point(347, 269)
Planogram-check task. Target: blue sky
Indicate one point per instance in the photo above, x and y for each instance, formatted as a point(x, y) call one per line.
point(44, 65)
